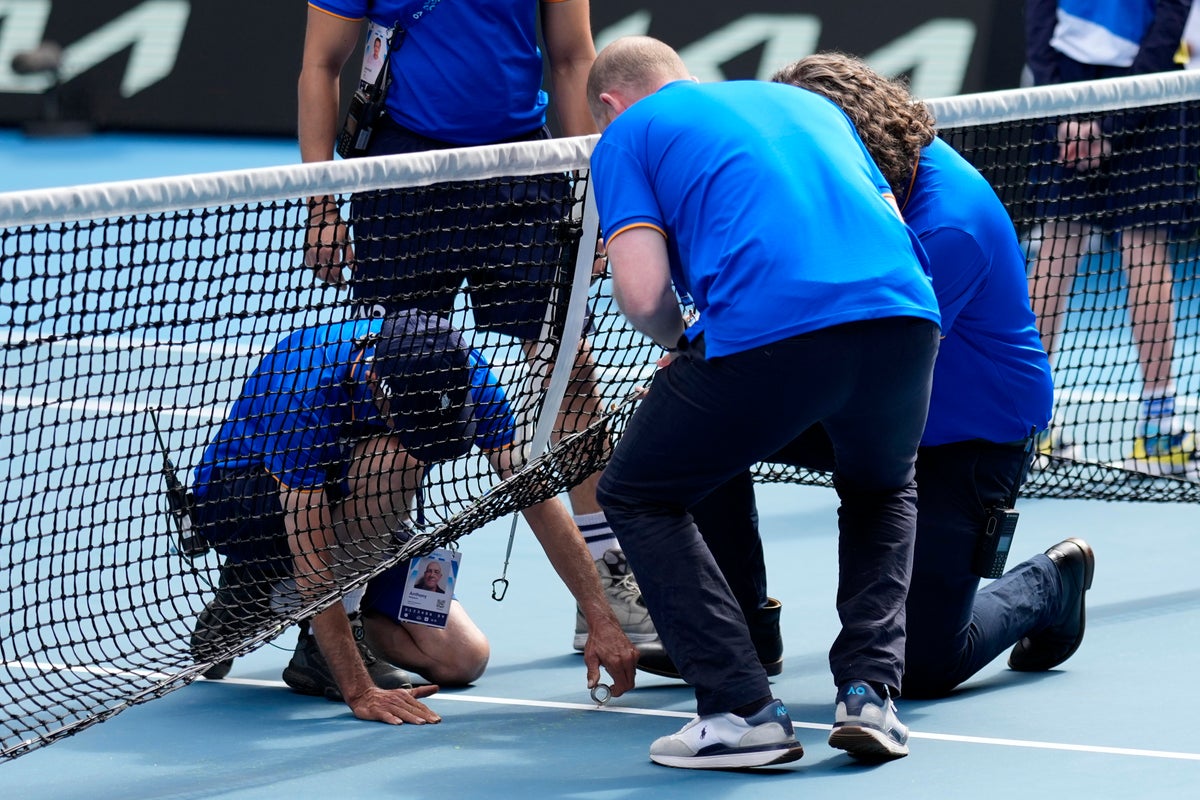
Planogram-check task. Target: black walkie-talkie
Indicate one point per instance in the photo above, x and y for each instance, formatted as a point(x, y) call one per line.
point(179, 501)
point(367, 105)
point(994, 539)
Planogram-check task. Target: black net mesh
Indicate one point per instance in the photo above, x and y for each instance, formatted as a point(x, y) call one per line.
point(1111, 239)
point(129, 339)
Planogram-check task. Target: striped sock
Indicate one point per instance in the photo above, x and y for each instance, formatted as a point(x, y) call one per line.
point(597, 534)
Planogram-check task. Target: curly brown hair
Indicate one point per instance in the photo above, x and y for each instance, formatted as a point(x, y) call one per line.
point(892, 124)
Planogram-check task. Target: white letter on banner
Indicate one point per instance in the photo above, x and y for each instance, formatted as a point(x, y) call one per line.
point(785, 37)
point(154, 30)
point(636, 24)
point(936, 53)
point(22, 25)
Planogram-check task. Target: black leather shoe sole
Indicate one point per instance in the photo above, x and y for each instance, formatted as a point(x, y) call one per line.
point(764, 632)
point(218, 670)
point(1050, 647)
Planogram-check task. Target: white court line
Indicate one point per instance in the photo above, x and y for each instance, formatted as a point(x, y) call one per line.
point(48, 666)
point(650, 712)
point(107, 406)
point(103, 344)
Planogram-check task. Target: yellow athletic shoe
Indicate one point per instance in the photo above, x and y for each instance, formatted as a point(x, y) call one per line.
point(1165, 453)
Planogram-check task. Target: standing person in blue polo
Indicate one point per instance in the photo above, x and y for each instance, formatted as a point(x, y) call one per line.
point(992, 389)
point(323, 454)
point(465, 74)
point(760, 202)
point(1133, 176)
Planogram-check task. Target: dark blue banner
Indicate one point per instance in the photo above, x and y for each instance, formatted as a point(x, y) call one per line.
point(231, 67)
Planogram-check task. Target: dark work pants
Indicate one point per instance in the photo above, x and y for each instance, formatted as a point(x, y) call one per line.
point(705, 421)
point(954, 628)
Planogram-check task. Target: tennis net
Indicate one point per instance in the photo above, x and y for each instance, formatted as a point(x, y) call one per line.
point(1112, 258)
point(132, 313)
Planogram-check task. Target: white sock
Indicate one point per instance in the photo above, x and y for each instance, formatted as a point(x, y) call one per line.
point(597, 534)
point(352, 600)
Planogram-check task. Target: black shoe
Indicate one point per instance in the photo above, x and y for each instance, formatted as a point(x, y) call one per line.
point(218, 670)
point(308, 672)
point(1054, 644)
point(768, 642)
point(241, 603)
point(764, 632)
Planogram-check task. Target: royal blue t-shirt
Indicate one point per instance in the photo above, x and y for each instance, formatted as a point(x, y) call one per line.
point(774, 214)
point(466, 73)
point(308, 392)
point(992, 379)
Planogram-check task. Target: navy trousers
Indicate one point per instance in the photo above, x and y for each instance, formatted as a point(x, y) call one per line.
point(954, 628)
point(705, 421)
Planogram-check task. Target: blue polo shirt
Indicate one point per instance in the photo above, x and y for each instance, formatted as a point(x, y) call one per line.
point(773, 212)
point(467, 73)
point(992, 379)
point(1107, 32)
point(308, 393)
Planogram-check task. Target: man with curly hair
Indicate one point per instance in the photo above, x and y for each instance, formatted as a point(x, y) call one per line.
point(992, 389)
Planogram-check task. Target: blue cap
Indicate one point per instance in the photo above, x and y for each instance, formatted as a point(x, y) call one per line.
point(423, 368)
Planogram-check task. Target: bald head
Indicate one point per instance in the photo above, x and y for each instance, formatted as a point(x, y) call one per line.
point(627, 70)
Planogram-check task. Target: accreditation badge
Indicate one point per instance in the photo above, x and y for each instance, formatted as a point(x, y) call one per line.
point(429, 588)
point(375, 55)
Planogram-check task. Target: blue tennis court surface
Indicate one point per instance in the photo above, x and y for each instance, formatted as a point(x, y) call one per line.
point(1114, 721)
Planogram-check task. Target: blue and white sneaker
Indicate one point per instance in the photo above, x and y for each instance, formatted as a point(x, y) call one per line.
point(865, 725)
point(727, 741)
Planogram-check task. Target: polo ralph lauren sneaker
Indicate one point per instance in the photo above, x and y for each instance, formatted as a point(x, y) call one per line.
point(727, 741)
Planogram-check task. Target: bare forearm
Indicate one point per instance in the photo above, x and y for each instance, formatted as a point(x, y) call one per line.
point(310, 537)
point(642, 283)
point(328, 43)
point(560, 539)
point(661, 321)
point(318, 98)
point(570, 86)
point(567, 553)
point(571, 51)
point(332, 631)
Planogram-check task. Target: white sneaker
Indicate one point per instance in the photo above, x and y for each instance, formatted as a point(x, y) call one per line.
point(725, 741)
point(626, 600)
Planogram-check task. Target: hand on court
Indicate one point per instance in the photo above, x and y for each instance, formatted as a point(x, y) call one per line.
point(327, 248)
point(608, 646)
point(395, 706)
